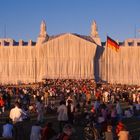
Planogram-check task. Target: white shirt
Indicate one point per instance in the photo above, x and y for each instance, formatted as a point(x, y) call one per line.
point(62, 113)
point(106, 94)
point(16, 114)
point(7, 130)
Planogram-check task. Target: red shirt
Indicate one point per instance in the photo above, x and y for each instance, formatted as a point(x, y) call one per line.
point(1, 102)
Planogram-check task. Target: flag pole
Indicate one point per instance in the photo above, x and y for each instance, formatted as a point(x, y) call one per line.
point(107, 64)
point(106, 60)
point(107, 67)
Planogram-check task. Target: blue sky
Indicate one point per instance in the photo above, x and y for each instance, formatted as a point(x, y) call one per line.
point(116, 18)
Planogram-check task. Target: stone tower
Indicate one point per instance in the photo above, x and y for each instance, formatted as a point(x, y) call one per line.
point(43, 36)
point(94, 33)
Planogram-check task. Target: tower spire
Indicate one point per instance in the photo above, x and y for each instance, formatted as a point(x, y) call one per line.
point(94, 33)
point(94, 29)
point(43, 36)
point(43, 31)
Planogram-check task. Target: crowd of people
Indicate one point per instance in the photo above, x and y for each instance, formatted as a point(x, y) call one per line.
point(95, 107)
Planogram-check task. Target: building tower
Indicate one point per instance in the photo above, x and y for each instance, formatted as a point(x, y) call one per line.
point(43, 36)
point(94, 33)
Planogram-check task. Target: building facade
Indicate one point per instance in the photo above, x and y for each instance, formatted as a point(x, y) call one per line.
point(68, 56)
point(62, 56)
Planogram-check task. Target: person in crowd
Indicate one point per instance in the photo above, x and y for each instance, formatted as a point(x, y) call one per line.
point(66, 134)
point(70, 111)
point(136, 108)
point(105, 96)
point(119, 127)
point(119, 110)
point(16, 113)
point(32, 108)
point(112, 98)
point(96, 105)
point(128, 113)
point(48, 133)
point(88, 95)
point(2, 105)
point(91, 132)
point(46, 96)
point(134, 97)
point(8, 100)
point(68, 100)
point(123, 134)
point(7, 130)
point(113, 115)
point(40, 110)
point(62, 114)
point(108, 135)
point(27, 112)
point(36, 132)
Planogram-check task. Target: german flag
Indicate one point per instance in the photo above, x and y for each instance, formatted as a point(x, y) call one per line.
point(112, 44)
